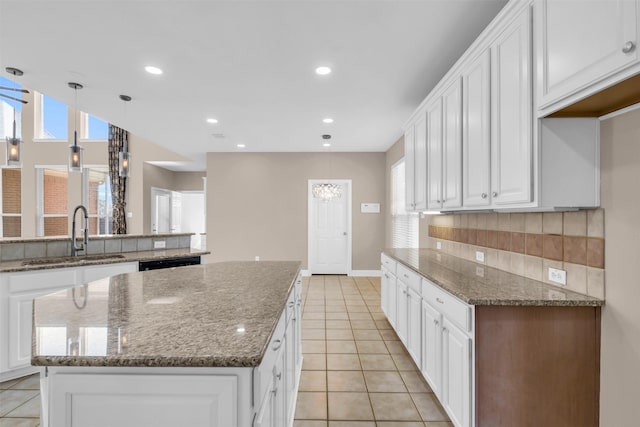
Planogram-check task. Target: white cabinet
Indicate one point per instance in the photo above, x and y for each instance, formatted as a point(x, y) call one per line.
point(511, 114)
point(401, 313)
point(415, 158)
point(456, 373)
point(414, 326)
point(432, 347)
point(444, 142)
point(582, 42)
point(18, 290)
point(476, 127)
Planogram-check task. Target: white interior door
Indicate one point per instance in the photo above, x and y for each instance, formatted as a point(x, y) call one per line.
point(330, 231)
point(160, 210)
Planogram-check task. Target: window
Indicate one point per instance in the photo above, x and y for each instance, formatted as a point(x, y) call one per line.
point(11, 202)
point(94, 128)
point(54, 119)
point(52, 193)
point(404, 225)
point(96, 196)
point(7, 109)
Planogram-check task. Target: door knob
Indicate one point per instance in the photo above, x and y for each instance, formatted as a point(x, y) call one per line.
point(344, 233)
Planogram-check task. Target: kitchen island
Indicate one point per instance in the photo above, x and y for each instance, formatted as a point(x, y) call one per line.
point(208, 345)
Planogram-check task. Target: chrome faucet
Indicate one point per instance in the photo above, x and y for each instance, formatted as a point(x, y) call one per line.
point(85, 241)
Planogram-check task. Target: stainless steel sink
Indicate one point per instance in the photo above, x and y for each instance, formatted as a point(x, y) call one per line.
point(71, 259)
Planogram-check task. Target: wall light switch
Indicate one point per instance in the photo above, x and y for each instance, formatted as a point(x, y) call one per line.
point(557, 276)
point(159, 244)
point(480, 256)
point(129, 214)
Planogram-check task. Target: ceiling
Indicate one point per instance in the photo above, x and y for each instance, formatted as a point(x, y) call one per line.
point(249, 64)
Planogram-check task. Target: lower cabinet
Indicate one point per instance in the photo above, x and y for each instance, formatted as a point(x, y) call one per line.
point(456, 373)
point(279, 374)
point(432, 347)
point(414, 326)
point(401, 313)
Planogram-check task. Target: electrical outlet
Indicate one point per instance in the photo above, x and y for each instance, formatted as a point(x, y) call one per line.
point(557, 276)
point(480, 256)
point(438, 245)
point(257, 258)
point(159, 244)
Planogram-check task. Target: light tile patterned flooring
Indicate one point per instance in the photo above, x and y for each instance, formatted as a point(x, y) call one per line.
point(356, 373)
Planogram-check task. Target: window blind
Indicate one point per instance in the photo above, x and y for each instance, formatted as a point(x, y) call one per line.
point(404, 225)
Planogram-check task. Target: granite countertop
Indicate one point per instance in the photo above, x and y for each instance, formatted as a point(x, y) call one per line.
point(477, 284)
point(211, 315)
point(19, 265)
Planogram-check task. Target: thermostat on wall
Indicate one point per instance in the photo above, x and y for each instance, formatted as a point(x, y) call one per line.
point(370, 207)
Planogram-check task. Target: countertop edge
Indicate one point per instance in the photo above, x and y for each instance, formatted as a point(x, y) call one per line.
point(587, 302)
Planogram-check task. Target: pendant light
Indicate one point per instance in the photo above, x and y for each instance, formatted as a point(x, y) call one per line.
point(124, 158)
point(14, 157)
point(75, 151)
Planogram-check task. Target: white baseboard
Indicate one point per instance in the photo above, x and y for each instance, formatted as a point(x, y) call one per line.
point(366, 273)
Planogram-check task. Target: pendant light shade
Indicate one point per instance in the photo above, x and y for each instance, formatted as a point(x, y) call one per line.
point(13, 147)
point(75, 151)
point(124, 157)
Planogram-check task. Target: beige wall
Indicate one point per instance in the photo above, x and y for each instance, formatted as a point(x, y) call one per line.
point(257, 204)
point(393, 154)
point(620, 358)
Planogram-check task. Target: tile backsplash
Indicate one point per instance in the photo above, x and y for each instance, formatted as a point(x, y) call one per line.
point(528, 244)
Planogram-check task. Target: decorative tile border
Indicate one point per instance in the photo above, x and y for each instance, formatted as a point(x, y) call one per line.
point(581, 250)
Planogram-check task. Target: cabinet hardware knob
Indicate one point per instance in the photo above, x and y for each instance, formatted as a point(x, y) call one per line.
point(276, 345)
point(435, 321)
point(444, 329)
point(439, 300)
point(628, 47)
point(483, 195)
point(405, 275)
point(494, 194)
point(279, 376)
point(437, 201)
point(291, 304)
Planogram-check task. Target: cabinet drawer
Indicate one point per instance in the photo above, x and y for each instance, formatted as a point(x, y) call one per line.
point(455, 310)
point(388, 263)
point(43, 279)
point(408, 277)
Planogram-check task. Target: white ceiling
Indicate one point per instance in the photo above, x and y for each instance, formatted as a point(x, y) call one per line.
point(250, 64)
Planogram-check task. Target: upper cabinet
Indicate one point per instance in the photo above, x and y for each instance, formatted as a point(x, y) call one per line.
point(580, 43)
point(486, 147)
point(415, 158)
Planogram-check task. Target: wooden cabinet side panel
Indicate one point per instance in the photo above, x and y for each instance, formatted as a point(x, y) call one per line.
point(537, 366)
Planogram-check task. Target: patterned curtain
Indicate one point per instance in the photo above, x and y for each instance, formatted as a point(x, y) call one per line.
point(118, 183)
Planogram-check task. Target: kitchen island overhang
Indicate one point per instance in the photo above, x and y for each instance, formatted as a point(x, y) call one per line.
point(210, 345)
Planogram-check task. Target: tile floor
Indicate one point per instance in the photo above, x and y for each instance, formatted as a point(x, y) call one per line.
point(356, 373)
point(20, 402)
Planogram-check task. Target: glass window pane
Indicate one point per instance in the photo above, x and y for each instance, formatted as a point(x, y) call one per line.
point(54, 119)
point(11, 226)
point(98, 199)
point(97, 129)
point(55, 226)
point(11, 191)
point(7, 107)
point(55, 191)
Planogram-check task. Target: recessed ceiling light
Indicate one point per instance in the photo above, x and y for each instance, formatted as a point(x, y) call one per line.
point(326, 144)
point(214, 121)
point(323, 71)
point(152, 70)
point(240, 145)
point(327, 120)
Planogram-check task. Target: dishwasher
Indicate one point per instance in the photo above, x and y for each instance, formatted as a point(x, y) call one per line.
point(157, 264)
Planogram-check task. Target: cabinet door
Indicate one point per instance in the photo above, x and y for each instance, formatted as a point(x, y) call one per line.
point(401, 311)
point(20, 328)
point(414, 326)
point(409, 169)
point(456, 374)
point(432, 347)
point(511, 149)
point(452, 146)
point(264, 417)
point(476, 132)
point(280, 391)
point(384, 292)
point(298, 325)
point(290, 368)
point(434, 154)
point(393, 300)
point(420, 164)
point(582, 42)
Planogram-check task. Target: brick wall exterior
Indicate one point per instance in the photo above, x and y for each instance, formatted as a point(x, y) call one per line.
point(11, 201)
point(55, 202)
